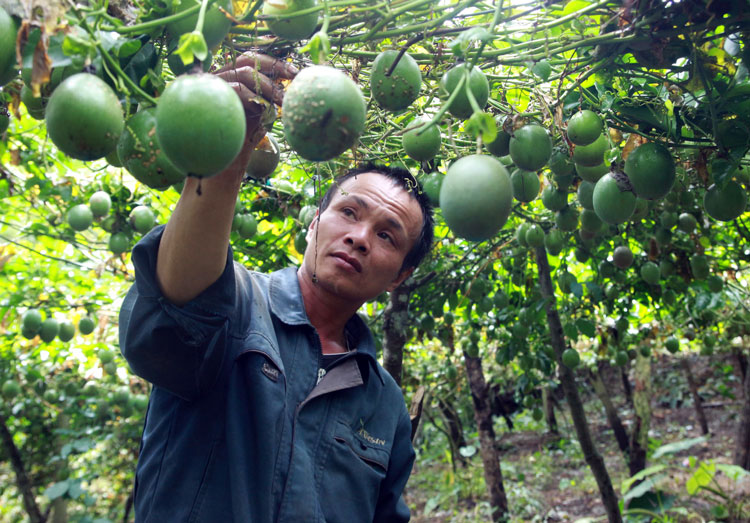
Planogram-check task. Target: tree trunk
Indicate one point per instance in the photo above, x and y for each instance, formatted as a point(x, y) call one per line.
point(455, 431)
point(627, 389)
point(741, 362)
point(22, 479)
point(396, 318)
point(613, 418)
point(742, 449)
point(641, 415)
point(548, 401)
point(696, 397)
point(493, 476)
point(591, 455)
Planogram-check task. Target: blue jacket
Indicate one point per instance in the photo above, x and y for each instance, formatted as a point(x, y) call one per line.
point(237, 429)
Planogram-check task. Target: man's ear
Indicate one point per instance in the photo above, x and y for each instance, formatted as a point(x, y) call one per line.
point(313, 224)
point(400, 278)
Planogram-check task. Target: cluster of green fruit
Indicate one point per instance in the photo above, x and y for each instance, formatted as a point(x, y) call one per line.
point(33, 324)
point(81, 216)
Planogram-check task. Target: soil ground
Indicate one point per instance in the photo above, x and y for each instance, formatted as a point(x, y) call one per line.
point(565, 490)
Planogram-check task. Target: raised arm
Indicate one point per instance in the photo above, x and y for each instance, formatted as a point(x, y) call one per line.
point(193, 249)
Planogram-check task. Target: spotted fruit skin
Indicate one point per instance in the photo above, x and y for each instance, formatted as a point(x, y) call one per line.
point(140, 151)
point(397, 91)
point(323, 113)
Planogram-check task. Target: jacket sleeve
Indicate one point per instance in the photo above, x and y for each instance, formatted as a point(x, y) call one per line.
point(180, 349)
point(391, 506)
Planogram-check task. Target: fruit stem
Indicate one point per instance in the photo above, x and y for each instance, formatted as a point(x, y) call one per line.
point(202, 15)
point(444, 107)
point(152, 24)
point(125, 78)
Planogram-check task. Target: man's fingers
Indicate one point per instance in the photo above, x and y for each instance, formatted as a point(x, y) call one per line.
point(254, 81)
point(268, 65)
point(248, 97)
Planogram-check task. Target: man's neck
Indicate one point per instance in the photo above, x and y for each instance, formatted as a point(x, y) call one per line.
point(327, 312)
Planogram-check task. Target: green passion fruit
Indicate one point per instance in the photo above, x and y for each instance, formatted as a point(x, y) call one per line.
point(84, 117)
point(80, 217)
point(560, 163)
point(118, 243)
point(293, 27)
point(566, 219)
point(650, 273)
point(323, 113)
point(534, 236)
point(49, 329)
point(585, 194)
point(35, 105)
point(554, 199)
point(141, 152)
point(419, 142)
point(699, 266)
point(8, 63)
point(592, 154)
point(613, 203)
point(460, 107)
point(200, 124)
point(525, 185)
point(66, 331)
point(142, 218)
point(530, 147)
point(592, 174)
point(651, 170)
point(100, 204)
point(476, 197)
point(554, 242)
point(571, 358)
point(590, 221)
point(584, 127)
point(216, 23)
point(86, 325)
point(431, 185)
point(397, 91)
point(31, 320)
point(500, 146)
point(622, 257)
point(725, 203)
point(264, 159)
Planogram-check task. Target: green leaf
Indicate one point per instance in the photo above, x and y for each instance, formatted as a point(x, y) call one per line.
point(654, 469)
point(701, 477)
point(577, 289)
point(128, 48)
point(733, 472)
point(482, 124)
point(677, 446)
point(319, 46)
point(467, 451)
point(56, 490)
point(461, 43)
point(192, 46)
point(644, 487)
point(571, 332)
point(542, 69)
point(75, 489)
point(586, 327)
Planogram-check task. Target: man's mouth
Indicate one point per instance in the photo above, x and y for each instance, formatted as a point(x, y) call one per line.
point(348, 259)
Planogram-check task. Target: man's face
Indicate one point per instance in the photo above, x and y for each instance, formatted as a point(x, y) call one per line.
point(363, 237)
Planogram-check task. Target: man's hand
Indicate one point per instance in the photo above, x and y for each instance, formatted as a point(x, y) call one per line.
point(256, 78)
point(193, 249)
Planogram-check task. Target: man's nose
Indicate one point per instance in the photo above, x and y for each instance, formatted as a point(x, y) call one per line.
point(359, 238)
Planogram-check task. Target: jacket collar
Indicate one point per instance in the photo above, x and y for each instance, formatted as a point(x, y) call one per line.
point(288, 306)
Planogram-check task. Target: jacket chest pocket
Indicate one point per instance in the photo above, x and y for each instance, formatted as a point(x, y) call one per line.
point(356, 466)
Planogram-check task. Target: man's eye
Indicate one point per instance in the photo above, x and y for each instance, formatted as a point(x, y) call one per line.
point(347, 211)
point(386, 236)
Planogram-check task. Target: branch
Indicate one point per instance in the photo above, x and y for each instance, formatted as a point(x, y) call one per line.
point(22, 478)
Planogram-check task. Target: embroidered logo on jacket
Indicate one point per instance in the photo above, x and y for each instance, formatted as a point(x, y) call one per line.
point(366, 435)
point(270, 371)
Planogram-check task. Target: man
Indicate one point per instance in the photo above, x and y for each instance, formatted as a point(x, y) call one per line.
point(268, 403)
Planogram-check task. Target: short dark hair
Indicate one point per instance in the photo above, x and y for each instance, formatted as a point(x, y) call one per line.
point(400, 178)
